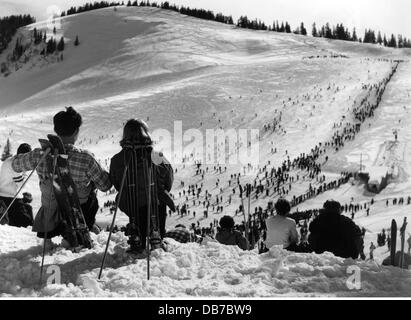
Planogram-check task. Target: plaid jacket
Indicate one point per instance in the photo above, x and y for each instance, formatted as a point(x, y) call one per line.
point(181, 235)
point(87, 174)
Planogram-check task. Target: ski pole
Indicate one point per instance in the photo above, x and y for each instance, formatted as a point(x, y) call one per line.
point(404, 226)
point(245, 220)
point(148, 176)
point(25, 182)
point(114, 219)
point(45, 222)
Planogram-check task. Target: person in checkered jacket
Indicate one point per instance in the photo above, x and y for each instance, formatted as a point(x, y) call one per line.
point(86, 172)
point(179, 234)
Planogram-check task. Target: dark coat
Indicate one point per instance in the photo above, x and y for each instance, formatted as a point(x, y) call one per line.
point(335, 233)
point(232, 238)
point(165, 178)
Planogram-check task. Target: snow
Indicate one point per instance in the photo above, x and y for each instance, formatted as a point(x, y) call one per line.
point(189, 270)
point(150, 63)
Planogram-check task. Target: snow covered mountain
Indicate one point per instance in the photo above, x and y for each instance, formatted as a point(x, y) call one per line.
point(165, 67)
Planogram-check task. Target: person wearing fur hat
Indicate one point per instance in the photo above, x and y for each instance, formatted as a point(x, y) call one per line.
point(228, 236)
point(335, 233)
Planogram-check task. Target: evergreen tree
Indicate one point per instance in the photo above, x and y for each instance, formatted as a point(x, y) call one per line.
point(379, 38)
point(51, 46)
point(354, 35)
point(328, 32)
point(18, 50)
point(314, 31)
point(76, 42)
point(385, 42)
point(393, 42)
point(60, 46)
point(400, 41)
point(303, 30)
point(287, 28)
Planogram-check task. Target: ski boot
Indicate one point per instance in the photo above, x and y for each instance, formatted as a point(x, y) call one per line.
point(155, 241)
point(136, 245)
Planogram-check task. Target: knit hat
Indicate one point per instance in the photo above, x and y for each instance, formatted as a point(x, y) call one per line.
point(27, 197)
point(227, 222)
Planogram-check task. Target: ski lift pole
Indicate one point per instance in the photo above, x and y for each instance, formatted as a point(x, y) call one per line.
point(114, 220)
point(46, 153)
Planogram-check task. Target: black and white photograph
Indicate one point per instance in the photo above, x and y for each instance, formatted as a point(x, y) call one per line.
point(208, 150)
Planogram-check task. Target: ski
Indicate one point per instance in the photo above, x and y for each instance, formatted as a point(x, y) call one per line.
point(76, 231)
point(393, 241)
point(402, 234)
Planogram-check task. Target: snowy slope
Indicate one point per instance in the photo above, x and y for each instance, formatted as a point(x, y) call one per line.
point(161, 66)
point(191, 270)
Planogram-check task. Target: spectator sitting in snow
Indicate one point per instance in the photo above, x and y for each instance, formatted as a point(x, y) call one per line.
point(136, 133)
point(179, 233)
point(10, 183)
point(85, 170)
point(281, 231)
point(335, 233)
point(228, 236)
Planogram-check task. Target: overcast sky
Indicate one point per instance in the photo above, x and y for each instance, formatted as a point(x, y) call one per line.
point(389, 16)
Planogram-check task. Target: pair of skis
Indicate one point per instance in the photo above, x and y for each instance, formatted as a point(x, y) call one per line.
point(139, 156)
point(76, 231)
point(393, 253)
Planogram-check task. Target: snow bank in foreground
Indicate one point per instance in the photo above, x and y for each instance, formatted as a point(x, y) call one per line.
point(210, 270)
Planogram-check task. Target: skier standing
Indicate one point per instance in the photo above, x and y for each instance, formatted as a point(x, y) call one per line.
point(85, 170)
point(372, 248)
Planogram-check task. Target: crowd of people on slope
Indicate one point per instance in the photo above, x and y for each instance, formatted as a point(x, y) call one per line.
point(271, 181)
